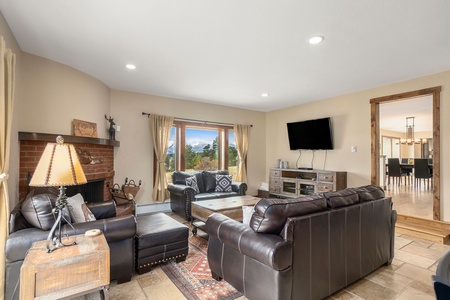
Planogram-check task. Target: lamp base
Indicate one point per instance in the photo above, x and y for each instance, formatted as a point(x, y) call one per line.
point(54, 238)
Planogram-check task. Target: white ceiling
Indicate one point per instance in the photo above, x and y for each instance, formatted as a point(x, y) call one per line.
point(393, 114)
point(229, 52)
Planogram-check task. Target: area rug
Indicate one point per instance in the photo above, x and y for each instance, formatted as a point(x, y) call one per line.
point(193, 276)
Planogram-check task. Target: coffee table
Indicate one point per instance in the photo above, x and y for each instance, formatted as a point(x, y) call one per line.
point(230, 207)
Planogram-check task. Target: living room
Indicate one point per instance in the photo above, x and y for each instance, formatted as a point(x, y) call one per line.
point(49, 95)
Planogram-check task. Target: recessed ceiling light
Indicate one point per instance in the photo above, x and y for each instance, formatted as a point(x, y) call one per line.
point(315, 39)
point(265, 95)
point(130, 66)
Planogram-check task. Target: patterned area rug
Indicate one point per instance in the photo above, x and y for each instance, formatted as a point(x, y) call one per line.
point(193, 276)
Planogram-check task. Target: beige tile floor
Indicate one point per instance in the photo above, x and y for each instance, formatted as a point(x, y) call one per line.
point(408, 277)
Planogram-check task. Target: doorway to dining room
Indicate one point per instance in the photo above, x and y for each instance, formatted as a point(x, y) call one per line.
point(378, 167)
point(406, 135)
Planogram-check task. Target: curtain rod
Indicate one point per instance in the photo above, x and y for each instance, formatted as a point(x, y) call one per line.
point(192, 120)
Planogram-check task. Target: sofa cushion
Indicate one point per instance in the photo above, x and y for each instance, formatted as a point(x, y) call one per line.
point(369, 193)
point(38, 205)
point(209, 179)
point(192, 182)
point(223, 183)
point(179, 177)
point(79, 212)
point(342, 198)
point(270, 214)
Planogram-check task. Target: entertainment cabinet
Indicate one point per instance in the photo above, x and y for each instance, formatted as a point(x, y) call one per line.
point(297, 182)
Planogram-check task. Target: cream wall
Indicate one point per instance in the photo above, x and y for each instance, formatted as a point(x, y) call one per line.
point(351, 125)
point(54, 94)
point(134, 157)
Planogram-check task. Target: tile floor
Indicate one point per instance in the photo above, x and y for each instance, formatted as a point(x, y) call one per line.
point(408, 277)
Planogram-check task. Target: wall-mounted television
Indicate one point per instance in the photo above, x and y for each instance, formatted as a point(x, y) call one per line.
point(310, 135)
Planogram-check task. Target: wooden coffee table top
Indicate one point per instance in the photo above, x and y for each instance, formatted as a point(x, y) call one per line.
point(231, 207)
point(218, 205)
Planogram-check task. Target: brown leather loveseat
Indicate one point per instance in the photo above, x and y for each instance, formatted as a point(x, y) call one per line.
point(304, 248)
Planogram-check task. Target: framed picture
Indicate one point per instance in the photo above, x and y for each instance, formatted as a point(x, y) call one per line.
point(84, 128)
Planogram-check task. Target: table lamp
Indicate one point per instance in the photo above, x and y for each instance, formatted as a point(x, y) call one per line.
point(58, 166)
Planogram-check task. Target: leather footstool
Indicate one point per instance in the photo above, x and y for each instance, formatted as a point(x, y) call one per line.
point(159, 238)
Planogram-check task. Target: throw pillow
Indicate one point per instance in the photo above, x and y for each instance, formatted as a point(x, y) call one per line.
point(247, 212)
point(223, 183)
point(79, 211)
point(38, 206)
point(192, 182)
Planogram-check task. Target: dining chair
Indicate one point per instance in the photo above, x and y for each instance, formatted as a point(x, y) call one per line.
point(408, 171)
point(395, 171)
point(422, 171)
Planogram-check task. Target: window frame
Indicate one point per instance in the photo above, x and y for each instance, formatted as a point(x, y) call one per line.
point(180, 136)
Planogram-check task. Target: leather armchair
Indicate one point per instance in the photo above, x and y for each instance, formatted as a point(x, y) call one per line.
point(442, 278)
point(119, 233)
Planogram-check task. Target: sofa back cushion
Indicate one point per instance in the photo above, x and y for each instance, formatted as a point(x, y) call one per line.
point(209, 179)
point(271, 214)
point(342, 198)
point(179, 177)
point(369, 193)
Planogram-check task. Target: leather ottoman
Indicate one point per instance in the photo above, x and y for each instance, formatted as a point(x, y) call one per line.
point(158, 239)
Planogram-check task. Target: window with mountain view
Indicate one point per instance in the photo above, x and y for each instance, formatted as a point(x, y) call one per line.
point(195, 147)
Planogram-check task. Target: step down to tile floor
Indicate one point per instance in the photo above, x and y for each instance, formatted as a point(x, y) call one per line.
point(431, 230)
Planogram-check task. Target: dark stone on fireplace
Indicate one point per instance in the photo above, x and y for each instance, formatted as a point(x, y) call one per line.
point(92, 191)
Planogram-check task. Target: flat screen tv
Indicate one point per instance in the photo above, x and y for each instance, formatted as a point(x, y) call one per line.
point(310, 135)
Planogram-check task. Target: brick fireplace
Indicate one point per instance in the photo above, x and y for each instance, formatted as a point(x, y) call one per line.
point(96, 156)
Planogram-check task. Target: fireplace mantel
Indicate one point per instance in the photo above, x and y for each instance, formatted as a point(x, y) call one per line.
point(49, 137)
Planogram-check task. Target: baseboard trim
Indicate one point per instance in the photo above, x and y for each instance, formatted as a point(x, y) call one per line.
point(152, 208)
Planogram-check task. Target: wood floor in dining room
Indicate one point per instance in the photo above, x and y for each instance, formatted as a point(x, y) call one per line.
point(412, 200)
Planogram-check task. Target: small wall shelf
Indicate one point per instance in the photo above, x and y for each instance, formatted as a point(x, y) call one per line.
point(49, 137)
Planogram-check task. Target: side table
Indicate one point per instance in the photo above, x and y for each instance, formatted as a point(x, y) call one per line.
point(68, 271)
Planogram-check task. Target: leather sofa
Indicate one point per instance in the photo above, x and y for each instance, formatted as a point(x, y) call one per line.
point(119, 233)
point(304, 248)
point(181, 195)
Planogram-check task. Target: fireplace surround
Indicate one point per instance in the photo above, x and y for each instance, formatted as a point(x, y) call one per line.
point(98, 163)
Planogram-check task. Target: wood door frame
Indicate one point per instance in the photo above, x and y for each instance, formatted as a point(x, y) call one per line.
point(375, 138)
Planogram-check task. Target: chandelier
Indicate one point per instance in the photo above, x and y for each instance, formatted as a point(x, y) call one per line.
point(409, 134)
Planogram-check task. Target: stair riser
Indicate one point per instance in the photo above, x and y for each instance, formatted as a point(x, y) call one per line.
point(422, 235)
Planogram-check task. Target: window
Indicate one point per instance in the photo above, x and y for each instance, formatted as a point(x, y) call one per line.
point(390, 147)
point(197, 146)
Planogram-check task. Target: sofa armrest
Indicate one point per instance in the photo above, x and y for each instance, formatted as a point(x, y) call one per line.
point(19, 242)
point(239, 187)
point(269, 249)
point(179, 189)
point(102, 210)
point(114, 229)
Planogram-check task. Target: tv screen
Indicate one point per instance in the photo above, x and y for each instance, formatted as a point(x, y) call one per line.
point(310, 135)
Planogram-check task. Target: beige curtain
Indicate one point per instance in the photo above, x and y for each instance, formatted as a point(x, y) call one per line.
point(7, 66)
point(242, 133)
point(160, 127)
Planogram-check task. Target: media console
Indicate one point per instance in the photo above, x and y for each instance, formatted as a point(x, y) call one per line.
point(295, 182)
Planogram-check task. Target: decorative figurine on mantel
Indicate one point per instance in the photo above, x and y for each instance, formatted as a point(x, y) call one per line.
point(112, 130)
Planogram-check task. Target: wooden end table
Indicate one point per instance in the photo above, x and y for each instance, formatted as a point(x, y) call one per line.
point(230, 207)
point(66, 272)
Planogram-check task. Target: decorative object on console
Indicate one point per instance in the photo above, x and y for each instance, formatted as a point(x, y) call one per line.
point(58, 166)
point(86, 158)
point(84, 128)
point(112, 130)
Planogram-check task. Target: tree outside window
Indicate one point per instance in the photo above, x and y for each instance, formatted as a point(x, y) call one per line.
point(195, 147)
